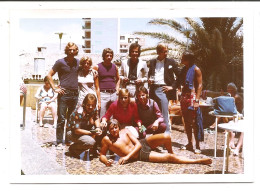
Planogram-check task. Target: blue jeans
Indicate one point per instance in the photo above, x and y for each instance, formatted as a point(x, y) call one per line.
point(163, 103)
point(66, 104)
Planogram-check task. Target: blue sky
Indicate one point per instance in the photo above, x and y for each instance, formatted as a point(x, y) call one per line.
point(42, 31)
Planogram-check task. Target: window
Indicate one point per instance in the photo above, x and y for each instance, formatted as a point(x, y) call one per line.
point(88, 34)
point(88, 44)
point(39, 66)
point(122, 37)
point(130, 40)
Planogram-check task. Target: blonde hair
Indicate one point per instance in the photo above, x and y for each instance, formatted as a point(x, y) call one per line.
point(71, 44)
point(83, 61)
point(122, 92)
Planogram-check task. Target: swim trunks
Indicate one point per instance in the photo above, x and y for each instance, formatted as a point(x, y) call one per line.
point(145, 151)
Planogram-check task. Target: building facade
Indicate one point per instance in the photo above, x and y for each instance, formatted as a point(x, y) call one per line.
point(100, 33)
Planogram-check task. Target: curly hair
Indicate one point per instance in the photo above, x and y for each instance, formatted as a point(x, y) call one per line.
point(83, 61)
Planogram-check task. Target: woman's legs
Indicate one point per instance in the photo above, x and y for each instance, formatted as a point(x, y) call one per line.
point(231, 140)
point(239, 144)
point(42, 112)
point(81, 144)
point(53, 108)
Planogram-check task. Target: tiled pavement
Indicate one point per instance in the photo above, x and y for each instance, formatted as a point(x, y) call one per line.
point(40, 157)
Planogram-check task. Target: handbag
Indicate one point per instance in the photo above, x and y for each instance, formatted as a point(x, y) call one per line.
point(224, 105)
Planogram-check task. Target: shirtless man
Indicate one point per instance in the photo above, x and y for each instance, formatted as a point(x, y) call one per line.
point(123, 143)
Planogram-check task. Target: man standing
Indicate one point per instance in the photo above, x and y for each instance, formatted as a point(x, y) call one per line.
point(67, 69)
point(109, 80)
point(133, 70)
point(162, 82)
point(191, 80)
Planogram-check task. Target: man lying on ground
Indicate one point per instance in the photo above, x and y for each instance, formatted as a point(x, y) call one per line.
point(124, 144)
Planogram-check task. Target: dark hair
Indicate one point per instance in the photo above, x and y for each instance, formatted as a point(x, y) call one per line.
point(160, 47)
point(46, 79)
point(107, 50)
point(142, 89)
point(188, 56)
point(113, 122)
point(232, 86)
point(135, 45)
point(71, 44)
point(89, 97)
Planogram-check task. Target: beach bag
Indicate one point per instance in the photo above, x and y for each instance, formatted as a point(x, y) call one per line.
point(224, 105)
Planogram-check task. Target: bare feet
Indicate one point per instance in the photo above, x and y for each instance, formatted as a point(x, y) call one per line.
point(205, 161)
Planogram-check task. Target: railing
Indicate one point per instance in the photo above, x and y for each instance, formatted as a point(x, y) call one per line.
point(24, 111)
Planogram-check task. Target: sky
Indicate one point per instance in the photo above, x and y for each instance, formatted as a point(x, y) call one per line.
point(42, 31)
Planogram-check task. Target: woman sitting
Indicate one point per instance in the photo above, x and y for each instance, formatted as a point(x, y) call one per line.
point(149, 112)
point(88, 81)
point(84, 125)
point(47, 99)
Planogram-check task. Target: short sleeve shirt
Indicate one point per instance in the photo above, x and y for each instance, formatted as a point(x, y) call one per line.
point(68, 75)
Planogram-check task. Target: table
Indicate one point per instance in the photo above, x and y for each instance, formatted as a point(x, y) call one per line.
point(216, 127)
point(230, 126)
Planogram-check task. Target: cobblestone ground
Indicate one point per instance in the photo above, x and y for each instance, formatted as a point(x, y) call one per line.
point(45, 137)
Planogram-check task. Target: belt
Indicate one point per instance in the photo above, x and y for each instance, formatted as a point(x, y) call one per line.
point(71, 92)
point(158, 85)
point(108, 91)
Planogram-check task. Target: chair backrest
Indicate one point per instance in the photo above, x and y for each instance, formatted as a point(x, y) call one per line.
point(224, 105)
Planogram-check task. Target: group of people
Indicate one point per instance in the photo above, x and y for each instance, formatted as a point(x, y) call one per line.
point(117, 109)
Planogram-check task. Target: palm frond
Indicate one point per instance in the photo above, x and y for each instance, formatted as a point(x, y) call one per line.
point(167, 22)
point(166, 38)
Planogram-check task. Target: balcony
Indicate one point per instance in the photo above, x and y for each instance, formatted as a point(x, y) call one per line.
point(86, 27)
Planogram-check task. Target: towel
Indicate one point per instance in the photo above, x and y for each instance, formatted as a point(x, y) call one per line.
point(199, 120)
point(190, 77)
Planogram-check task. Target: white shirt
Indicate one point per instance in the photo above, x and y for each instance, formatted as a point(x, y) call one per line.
point(159, 72)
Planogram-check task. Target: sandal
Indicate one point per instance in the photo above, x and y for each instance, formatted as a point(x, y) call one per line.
point(235, 152)
point(197, 151)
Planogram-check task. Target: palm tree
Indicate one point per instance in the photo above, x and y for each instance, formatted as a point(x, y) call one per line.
point(215, 43)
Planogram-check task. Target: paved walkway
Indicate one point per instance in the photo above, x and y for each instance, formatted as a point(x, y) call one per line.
point(39, 156)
